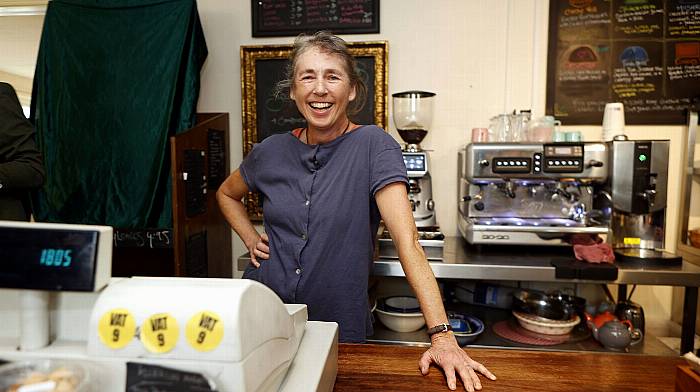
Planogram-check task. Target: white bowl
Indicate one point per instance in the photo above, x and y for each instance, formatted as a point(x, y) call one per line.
point(401, 322)
point(546, 326)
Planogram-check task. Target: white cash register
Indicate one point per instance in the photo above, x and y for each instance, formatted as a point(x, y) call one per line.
point(59, 303)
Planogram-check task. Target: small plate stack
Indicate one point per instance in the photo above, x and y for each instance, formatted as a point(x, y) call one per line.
point(465, 328)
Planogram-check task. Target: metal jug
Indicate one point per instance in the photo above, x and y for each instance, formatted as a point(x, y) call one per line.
point(628, 310)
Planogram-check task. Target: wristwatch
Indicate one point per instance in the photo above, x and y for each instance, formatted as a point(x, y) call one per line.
point(439, 329)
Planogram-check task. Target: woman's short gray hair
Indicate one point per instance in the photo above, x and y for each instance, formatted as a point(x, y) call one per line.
point(331, 44)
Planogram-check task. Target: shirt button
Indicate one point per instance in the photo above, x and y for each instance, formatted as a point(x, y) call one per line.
point(298, 271)
point(303, 236)
point(306, 203)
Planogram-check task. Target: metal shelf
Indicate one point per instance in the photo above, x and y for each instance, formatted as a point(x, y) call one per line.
point(526, 263)
point(530, 263)
point(650, 345)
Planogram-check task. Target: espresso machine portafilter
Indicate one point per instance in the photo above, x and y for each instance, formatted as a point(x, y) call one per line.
point(638, 186)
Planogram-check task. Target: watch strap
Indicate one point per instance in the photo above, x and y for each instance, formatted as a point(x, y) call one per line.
point(444, 327)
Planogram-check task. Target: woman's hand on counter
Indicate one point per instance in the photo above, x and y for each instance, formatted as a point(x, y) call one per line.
point(446, 353)
point(259, 249)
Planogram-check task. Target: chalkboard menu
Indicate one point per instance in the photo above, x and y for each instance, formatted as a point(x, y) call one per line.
point(277, 18)
point(643, 53)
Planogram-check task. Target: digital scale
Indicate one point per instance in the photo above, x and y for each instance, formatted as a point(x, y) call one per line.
point(133, 332)
point(55, 257)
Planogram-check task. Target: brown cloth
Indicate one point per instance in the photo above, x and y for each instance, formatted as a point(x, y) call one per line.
point(591, 248)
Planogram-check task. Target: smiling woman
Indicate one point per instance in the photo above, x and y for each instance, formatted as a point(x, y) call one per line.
point(266, 113)
point(322, 90)
point(326, 187)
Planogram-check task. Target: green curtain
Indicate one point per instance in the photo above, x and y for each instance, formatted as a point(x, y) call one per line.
point(114, 79)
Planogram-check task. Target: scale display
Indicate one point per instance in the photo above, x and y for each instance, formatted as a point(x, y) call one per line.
point(48, 260)
point(414, 162)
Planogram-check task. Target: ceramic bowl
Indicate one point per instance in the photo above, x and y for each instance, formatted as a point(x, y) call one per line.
point(477, 328)
point(66, 375)
point(546, 326)
point(541, 304)
point(400, 322)
point(401, 304)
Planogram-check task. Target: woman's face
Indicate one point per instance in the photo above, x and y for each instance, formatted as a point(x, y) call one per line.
point(321, 89)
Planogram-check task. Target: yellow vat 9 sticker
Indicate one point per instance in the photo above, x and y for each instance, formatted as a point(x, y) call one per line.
point(632, 240)
point(204, 331)
point(159, 333)
point(116, 328)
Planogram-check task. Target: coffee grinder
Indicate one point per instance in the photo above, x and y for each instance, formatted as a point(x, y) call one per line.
point(639, 174)
point(413, 114)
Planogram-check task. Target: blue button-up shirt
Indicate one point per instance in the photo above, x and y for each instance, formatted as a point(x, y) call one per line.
point(321, 218)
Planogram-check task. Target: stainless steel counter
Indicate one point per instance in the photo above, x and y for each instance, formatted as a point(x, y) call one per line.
point(524, 263)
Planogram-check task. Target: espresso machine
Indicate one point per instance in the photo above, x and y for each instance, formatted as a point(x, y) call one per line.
point(413, 115)
point(531, 193)
point(638, 180)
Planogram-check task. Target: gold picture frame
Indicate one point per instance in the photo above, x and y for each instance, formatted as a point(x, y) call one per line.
point(262, 66)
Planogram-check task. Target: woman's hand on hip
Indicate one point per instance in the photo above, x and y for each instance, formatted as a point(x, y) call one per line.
point(259, 249)
point(446, 353)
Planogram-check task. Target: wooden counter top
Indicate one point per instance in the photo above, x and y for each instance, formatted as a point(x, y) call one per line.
point(369, 367)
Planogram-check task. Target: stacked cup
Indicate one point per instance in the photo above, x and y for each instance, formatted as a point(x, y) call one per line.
point(613, 121)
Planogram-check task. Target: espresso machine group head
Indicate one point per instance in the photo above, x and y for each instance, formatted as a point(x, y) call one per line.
point(639, 176)
point(413, 115)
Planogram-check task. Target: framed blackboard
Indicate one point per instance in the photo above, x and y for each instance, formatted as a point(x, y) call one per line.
point(643, 53)
point(276, 18)
point(263, 66)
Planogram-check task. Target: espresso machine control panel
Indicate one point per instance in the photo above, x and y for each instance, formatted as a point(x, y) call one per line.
point(499, 161)
point(555, 158)
point(561, 158)
point(512, 165)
